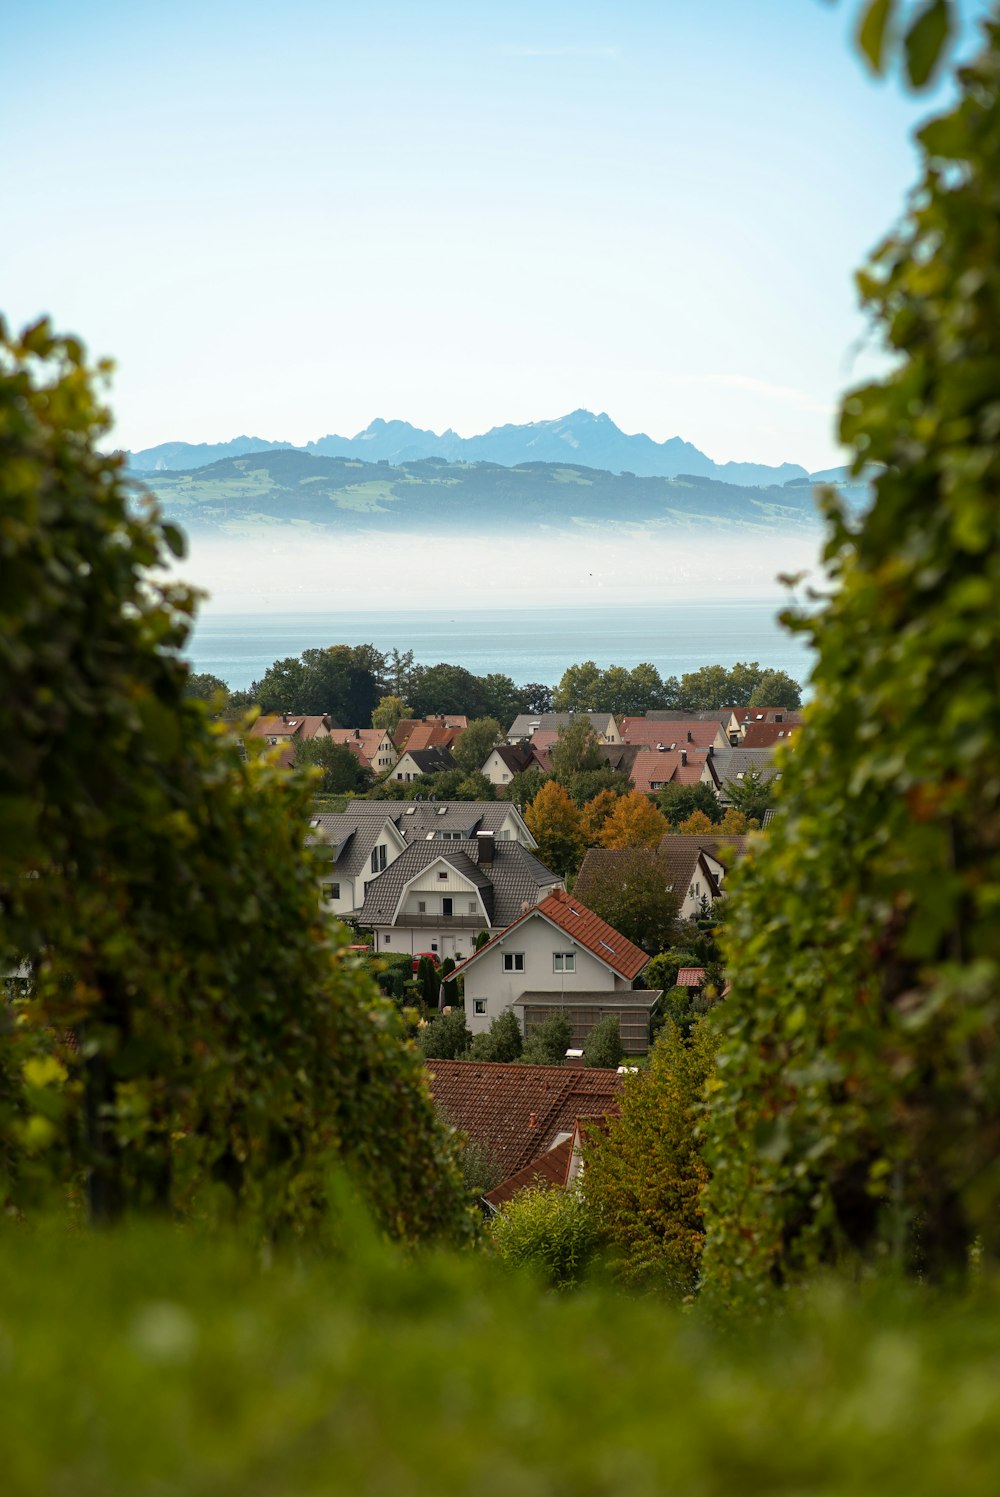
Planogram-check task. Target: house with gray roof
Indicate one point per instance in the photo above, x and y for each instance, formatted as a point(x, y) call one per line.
point(357, 849)
point(450, 820)
point(437, 896)
point(725, 765)
point(527, 724)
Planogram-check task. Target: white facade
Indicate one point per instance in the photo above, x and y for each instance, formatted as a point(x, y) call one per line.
point(343, 893)
point(534, 956)
point(440, 910)
point(496, 771)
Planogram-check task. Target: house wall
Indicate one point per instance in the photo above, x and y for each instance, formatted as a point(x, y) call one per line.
point(444, 940)
point(496, 771)
point(537, 940)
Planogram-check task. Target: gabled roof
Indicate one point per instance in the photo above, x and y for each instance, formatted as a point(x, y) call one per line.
point(428, 760)
point(516, 756)
point(353, 837)
point(691, 977)
point(732, 764)
point(671, 732)
point(766, 734)
point(587, 930)
point(516, 1112)
point(291, 725)
point(724, 847)
point(514, 877)
point(365, 742)
point(548, 1172)
point(526, 724)
point(418, 817)
point(433, 735)
point(652, 768)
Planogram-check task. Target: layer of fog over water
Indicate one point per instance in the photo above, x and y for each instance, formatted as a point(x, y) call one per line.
point(527, 606)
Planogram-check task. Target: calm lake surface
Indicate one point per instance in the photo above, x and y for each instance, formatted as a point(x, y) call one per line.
point(526, 644)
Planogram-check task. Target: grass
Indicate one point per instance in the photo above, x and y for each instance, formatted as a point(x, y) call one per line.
point(145, 1361)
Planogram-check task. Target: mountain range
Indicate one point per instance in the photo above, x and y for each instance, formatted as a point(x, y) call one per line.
point(255, 492)
point(581, 439)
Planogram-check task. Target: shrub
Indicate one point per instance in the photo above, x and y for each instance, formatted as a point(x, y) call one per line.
point(501, 1042)
point(603, 1045)
point(546, 1044)
point(548, 1232)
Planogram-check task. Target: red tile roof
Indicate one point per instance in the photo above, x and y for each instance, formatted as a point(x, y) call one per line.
point(690, 977)
point(548, 1170)
point(290, 725)
point(653, 768)
point(682, 734)
point(516, 1112)
point(587, 929)
point(764, 734)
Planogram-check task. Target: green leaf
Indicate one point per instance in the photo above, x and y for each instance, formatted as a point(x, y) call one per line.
point(925, 41)
point(872, 31)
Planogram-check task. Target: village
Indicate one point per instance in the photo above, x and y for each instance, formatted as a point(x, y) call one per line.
point(541, 936)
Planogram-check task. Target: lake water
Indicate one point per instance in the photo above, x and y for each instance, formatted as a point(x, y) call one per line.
point(528, 644)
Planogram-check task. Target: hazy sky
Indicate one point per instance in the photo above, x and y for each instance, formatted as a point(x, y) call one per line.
point(286, 219)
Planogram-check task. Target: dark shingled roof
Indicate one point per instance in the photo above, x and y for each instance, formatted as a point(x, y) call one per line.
point(494, 1104)
point(416, 818)
point(355, 836)
point(514, 877)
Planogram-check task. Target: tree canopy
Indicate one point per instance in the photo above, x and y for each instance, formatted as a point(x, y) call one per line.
point(227, 1052)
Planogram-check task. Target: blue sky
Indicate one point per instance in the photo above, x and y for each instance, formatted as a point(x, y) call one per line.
point(287, 219)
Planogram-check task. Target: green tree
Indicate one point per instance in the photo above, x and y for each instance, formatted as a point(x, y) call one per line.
point(576, 750)
point(556, 825)
point(678, 801)
point(209, 689)
point(445, 1038)
point(389, 711)
point(228, 1052)
point(546, 1044)
point(644, 1177)
point(603, 1045)
point(579, 689)
point(502, 699)
point(443, 688)
point(474, 746)
point(524, 787)
point(862, 1020)
point(776, 689)
point(501, 1042)
point(631, 891)
point(705, 690)
point(754, 793)
point(341, 770)
point(550, 1233)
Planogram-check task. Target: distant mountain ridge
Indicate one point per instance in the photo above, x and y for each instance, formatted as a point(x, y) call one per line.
point(581, 438)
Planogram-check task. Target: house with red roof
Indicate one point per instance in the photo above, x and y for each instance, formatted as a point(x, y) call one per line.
point(559, 956)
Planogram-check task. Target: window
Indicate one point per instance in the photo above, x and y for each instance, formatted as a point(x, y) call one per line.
point(378, 858)
point(564, 961)
point(387, 940)
point(513, 961)
point(504, 778)
point(447, 907)
point(331, 891)
point(479, 1005)
point(472, 906)
point(421, 907)
point(442, 875)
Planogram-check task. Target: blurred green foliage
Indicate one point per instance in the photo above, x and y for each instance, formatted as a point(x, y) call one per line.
point(857, 1105)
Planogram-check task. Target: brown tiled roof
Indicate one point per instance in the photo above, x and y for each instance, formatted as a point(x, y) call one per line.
point(725, 848)
point(289, 725)
point(764, 734)
point(365, 742)
point(548, 1171)
point(690, 977)
point(679, 734)
point(495, 1104)
point(651, 767)
point(586, 928)
point(433, 735)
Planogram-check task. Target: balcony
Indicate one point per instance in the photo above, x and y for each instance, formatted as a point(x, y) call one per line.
point(442, 922)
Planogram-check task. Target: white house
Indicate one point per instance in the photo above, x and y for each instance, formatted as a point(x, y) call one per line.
point(559, 955)
point(440, 895)
point(360, 848)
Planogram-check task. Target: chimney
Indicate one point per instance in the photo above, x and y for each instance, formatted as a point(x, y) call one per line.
point(684, 757)
point(485, 848)
point(690, 736)
point(284, 717)
point(532, 1119)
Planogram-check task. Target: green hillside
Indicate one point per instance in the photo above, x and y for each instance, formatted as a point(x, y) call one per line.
point(336, 493)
